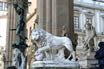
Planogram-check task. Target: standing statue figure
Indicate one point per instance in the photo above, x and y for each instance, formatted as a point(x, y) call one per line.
point(88, 42)
point(19, 58)
point(20, 23)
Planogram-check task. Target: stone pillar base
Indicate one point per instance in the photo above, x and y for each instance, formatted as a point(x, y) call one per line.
point(54, 68)
point(54, 65)
point(88, 61)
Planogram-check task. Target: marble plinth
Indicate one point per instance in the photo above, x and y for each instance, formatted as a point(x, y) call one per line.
point(55, 65)
point(88, 61)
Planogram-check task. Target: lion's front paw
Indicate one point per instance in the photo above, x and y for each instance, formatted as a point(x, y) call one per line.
point(73, 60)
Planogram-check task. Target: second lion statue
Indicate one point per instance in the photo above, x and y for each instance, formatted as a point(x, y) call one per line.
point(48, 44)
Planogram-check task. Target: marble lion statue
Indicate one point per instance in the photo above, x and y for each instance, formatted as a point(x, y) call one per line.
point(48, 42)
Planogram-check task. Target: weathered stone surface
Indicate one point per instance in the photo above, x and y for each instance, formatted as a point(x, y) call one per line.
point(11, 35)
point(49, 43)
point(55, 65)
point(88, 61)
point(54, 68)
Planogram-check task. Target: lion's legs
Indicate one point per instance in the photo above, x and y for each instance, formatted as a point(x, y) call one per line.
point(61, 53)
point(46, 48)
point(40, 50)
point(72, 52)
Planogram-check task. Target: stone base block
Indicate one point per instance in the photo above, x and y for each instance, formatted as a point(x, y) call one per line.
point(88, 61)
point(55, 65)
point(54, 68)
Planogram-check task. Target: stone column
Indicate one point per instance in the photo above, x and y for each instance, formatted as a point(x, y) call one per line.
point(11, 35)
point(42, 13)
point(54, 18)
point(62, 15)
point(49, 15)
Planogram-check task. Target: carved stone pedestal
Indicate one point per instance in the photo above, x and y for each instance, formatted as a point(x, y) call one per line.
point(55, 65)
point(88, 61)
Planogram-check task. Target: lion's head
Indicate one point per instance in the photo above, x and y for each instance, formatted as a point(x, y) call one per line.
point(40, 35)
point(35, 35)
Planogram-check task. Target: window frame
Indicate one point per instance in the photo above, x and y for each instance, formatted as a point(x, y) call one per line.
point(5, 7)
point(89, 19)
point(1, 6)
point(76, 22)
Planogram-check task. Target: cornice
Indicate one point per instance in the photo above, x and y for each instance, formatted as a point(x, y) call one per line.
point(88, 5)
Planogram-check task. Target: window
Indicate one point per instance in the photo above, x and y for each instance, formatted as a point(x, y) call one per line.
point(2, 48)
point(89, 20)
point(5, 6)
point(76, 22)
point(1, 6)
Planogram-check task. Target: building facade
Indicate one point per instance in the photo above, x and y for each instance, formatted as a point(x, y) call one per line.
point(84, 11)
point(3, 26)
point(89, 11)
point(3, 22)
point(48, 18)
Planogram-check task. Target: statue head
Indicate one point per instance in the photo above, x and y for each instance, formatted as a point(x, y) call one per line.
point(88, 26)
point(35, 34)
